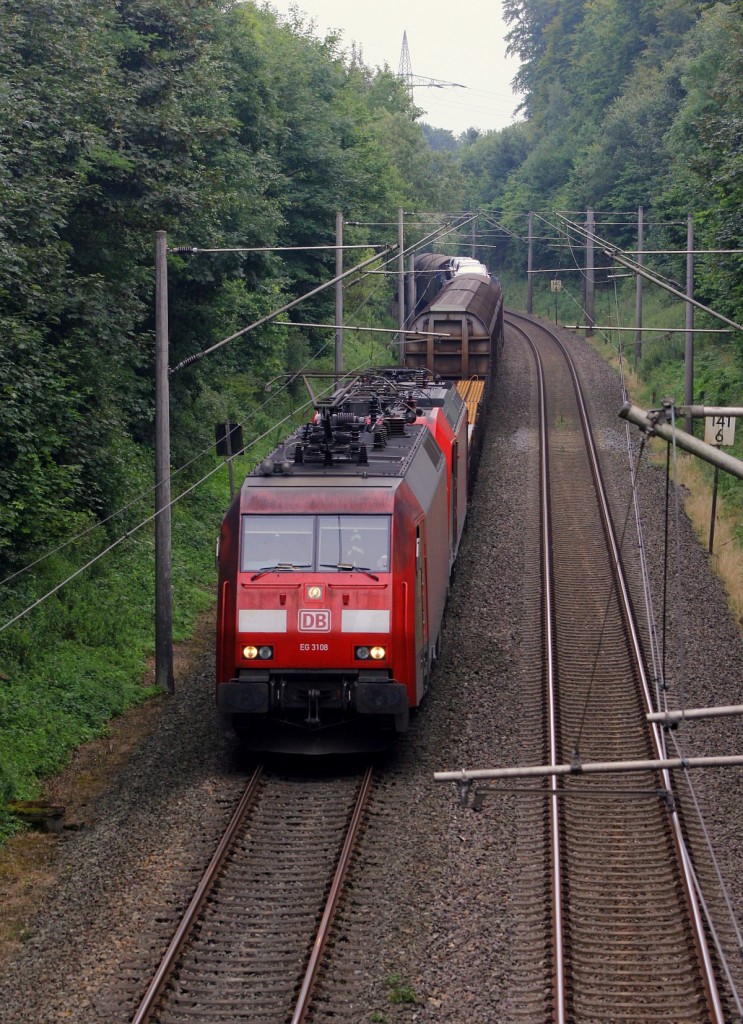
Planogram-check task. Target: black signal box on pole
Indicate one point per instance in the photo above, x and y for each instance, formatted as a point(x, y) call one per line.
point(229, 437)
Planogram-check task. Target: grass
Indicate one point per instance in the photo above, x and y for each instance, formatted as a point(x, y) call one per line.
point(400, 993)
point(727, 557)
point(80, 658)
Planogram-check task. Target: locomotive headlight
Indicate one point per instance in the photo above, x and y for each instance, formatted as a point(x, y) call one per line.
point(364, 653)
point(251, 652)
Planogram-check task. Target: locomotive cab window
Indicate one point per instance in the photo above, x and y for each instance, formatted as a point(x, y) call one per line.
point(269, 541)
point(358, 541)
point(318, 543)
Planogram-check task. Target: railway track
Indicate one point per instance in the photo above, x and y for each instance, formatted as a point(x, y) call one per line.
point(251, 941)
point(608, 874)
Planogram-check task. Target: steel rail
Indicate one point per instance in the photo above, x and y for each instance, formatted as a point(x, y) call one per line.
point(162, 974)
point(708, 975)
point(305, 993)
point(700, 940)
point(550, 683)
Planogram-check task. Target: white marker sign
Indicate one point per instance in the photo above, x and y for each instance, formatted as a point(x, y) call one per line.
point(719, 430)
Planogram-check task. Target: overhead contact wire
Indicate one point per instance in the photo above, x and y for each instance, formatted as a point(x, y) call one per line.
point(145, 494)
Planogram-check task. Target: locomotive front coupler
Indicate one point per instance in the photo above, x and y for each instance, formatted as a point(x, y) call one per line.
point(313, 708)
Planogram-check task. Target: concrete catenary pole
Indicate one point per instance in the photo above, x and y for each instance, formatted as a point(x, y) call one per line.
point(163, 580)
point(339, 293)
point(638, 290)
point(401, 284)
point(530, 264)
point(650, 423)
point(590, 274)
point(410, 289)
point(689, 349)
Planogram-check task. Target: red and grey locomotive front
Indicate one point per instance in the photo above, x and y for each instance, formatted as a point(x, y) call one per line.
point(325, 613)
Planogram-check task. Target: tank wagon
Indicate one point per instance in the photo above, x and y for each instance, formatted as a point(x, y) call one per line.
point(458, 336)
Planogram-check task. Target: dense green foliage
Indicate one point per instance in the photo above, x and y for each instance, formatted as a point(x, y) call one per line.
point(230, 129)
point(627, 106)
point(227, 128)
point(217, 124)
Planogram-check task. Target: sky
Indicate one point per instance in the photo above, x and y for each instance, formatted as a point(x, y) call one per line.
point(469, 50)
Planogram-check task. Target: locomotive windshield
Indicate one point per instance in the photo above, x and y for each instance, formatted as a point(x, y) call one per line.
point(362, 541)
point(277, 540)
point(325, 543)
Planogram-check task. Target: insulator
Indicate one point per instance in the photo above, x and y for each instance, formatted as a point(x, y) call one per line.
point(363, 455)
point(299, 454)
point(421, 377)
point(328, 461)
point(380, 438)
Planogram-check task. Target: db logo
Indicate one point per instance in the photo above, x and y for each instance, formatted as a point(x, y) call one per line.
point(314, 621)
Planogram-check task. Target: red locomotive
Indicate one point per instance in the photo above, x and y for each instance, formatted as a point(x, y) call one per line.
point(334, 566)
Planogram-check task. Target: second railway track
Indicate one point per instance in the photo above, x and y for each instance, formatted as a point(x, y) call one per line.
point(449, 907)
point(251, 941)
point(625, 941)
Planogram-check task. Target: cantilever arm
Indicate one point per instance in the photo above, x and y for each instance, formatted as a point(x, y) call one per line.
point(653, 423)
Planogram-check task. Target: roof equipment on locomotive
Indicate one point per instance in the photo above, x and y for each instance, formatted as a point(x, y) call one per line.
point(335, 559)
point(336, 554)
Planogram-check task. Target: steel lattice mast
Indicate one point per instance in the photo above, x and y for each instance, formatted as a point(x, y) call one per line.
point(405, 73)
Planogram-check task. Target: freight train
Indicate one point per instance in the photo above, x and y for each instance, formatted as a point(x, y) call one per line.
point(335, 557)
point(458, 335)
point(433, 270)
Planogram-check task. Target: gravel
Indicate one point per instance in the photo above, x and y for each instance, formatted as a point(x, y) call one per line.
point(431, 925)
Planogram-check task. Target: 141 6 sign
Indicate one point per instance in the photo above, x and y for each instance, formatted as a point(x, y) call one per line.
point(719, 430)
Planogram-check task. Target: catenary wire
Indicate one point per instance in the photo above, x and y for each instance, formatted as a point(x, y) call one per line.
point(151, 490)
point(196, 356)
point(662, 702)
point(145, 494)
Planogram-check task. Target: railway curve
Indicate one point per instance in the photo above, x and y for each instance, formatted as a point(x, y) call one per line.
point(625, 932)
point(447, 904)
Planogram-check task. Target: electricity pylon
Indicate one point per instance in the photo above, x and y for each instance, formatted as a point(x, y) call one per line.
point(405, 72)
